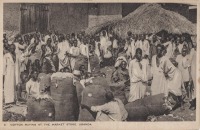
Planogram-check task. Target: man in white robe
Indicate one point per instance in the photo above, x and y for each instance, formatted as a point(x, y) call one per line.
point(162, 70)
point(74, 51)
point(9, 75)
point(137, 78)
point(63, 48)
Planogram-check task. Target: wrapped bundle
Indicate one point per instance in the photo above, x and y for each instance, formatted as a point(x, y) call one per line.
point(40, 109)
point(64, 96)
point(140, 109)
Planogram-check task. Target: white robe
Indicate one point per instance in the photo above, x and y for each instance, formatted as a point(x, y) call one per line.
point(169, 53)
point(137, 88)
point(75, 51)
point(9, 81)
point(174, 85)
point(19, 66)
point(63, 47)
point(183, 65)
point(159, 83)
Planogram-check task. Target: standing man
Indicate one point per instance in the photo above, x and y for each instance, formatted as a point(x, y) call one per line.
point(184, 66)
point(162, 70)
point(137, 77)
point(9, 60)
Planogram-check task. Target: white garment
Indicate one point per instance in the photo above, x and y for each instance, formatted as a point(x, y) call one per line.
point(133, 48)
point(159, 82)
point(137, 88)
point(145, 47)
point(175, 84)
point(75, 51)
point(33, 87)
point(63, 47)
point(169, 49)
point(183, 65)
point(180, 47)
point(111, 108)
point(9, 81)
point(84, 50)
point(19, 67)
point(97, 51)
point(115, 45)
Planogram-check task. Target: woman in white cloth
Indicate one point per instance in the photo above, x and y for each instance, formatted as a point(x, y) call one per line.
point(137, 77)
point(9, 60)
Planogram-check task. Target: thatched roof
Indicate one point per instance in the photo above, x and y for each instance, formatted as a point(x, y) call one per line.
point(95, 29)
point(152, 18)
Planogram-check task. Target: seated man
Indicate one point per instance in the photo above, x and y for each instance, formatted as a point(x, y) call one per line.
point(113, 110)
point(21, 87)
point(121, 73)
point(32, 86)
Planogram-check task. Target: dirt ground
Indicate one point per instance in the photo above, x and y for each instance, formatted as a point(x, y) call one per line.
point(17, 113)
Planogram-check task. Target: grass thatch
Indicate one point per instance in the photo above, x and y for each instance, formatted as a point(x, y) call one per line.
point(96, 29)
point(152, 18)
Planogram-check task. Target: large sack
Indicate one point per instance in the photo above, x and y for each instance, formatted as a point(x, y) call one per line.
point(136, 111)
point(55, 62)
point(45, 80)
point(99, 80)
point(118, 90)
point(40, 109)
point(64, 95)
point(92, 95)
point(155, 105)
point(79, 89)
point(94, 63)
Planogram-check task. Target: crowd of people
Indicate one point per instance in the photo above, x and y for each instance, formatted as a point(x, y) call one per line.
point(148, 64)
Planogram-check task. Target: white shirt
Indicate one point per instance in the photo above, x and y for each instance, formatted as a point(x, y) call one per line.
point(33, 87)
point(84, 50)
point(183, 65)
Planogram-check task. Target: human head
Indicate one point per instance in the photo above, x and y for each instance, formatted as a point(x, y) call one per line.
point(142, 37)
point(49, 41)
point(159, 50)
point(65, 69)
point(24, 77)
point(12, 48)
point(104, 33)
point(138, 54)
point(34, 75)
point(82, 69)
point(123, 65)
point(75, 42)
point(129, 33)
point(109, 96)
point(43, 48)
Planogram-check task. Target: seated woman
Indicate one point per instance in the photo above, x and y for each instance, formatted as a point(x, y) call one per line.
point(113, 110)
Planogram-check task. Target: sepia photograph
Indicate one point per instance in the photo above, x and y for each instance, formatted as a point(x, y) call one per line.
point(99, 62)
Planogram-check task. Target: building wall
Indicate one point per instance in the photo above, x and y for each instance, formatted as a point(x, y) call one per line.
point(68, 17)
point(11, 16)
